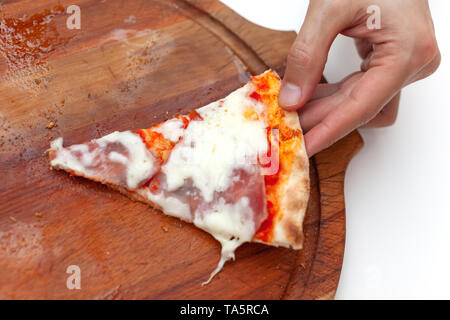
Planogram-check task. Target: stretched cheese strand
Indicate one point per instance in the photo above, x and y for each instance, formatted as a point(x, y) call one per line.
point(227, 253)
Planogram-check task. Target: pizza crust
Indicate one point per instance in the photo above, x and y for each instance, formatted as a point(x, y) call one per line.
point(292, 194)
point(288, 231)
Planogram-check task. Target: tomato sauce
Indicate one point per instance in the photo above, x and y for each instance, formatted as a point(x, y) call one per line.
point(266, 91)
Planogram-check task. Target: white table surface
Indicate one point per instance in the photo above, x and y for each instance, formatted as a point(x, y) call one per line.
point(397, 189)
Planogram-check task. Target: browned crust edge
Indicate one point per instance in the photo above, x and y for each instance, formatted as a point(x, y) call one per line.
point(295, 198)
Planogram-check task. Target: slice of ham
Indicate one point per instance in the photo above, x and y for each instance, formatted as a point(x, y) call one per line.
point(120, 158)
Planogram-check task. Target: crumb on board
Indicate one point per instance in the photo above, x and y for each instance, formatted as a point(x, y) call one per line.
point(165, 229)
point(39, 214)
point(12, 219)
point(51, 125)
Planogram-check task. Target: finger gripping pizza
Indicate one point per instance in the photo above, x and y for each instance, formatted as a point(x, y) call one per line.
point(236, 168)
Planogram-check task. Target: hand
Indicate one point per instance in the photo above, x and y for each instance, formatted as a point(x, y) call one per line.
point(401, 51)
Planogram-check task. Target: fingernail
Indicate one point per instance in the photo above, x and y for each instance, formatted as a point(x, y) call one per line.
point(290, 95)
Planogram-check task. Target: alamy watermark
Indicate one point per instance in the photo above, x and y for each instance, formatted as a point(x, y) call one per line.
point(374, 20)
point(74, 20)
point(74, 280)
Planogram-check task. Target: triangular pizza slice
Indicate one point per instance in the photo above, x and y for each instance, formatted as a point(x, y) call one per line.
point(236, 168)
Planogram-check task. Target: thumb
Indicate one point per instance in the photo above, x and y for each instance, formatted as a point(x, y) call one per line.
point(308, 54)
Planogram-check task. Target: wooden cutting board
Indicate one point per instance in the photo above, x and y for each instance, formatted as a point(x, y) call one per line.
point(131, 65)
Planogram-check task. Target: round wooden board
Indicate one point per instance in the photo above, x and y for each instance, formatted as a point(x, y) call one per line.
point(133, 64)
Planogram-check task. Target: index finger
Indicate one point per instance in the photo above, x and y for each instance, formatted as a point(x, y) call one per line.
point(376, 87)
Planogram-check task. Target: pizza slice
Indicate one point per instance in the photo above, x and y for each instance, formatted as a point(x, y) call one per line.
point(236, 168)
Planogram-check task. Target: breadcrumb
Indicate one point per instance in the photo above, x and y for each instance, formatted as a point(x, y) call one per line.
point(50, 125)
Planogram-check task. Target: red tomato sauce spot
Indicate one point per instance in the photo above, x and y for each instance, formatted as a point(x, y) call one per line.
point(194, 115)
point(154, 184)
point(185, 122)
point(255, 95)
point(265, 230)
point(159, 146)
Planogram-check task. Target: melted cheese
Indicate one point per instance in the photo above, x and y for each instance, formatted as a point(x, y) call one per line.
point(212, 148)
point(172, 129)
point(231, 136)
point(231, 225)
point(117, 157)
point(227, 253)
point(139, 162)
point(227, 220)
point(169, 205)
point(65, 159)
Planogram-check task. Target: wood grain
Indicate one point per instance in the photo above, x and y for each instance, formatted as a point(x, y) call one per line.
point(133, 64)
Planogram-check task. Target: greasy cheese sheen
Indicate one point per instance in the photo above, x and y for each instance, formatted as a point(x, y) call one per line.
point(140, 164)
point(210, 149)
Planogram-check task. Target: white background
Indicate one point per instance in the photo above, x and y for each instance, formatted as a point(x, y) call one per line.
point(397, 189)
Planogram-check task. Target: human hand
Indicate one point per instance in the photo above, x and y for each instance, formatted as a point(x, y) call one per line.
point(403, 50)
